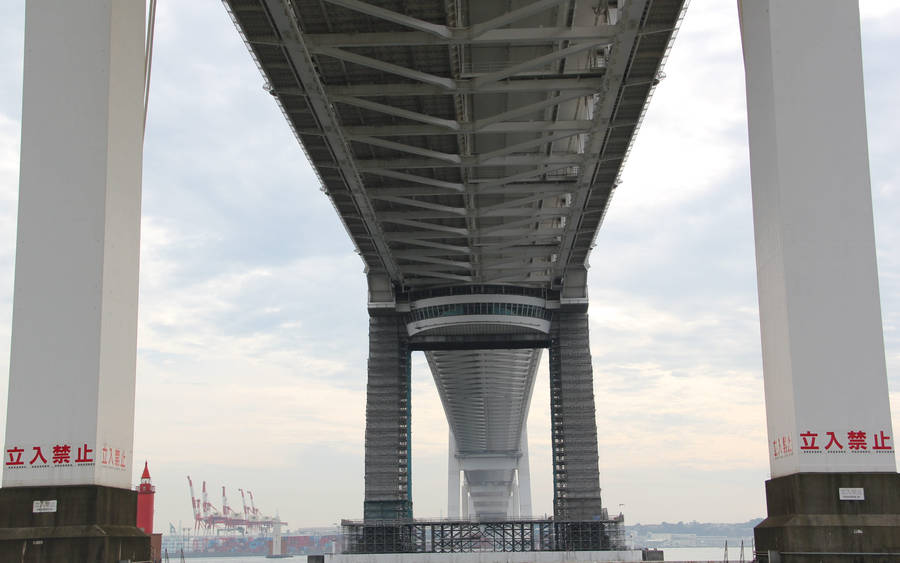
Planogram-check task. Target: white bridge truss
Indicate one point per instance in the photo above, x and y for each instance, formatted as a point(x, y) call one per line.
point(486, 394)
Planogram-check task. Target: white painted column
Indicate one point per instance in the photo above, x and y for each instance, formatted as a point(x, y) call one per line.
point(453, 490)
point(524, 477)
point(72, 368)
point(513, 510)
point(466, 499)
point(823, 349)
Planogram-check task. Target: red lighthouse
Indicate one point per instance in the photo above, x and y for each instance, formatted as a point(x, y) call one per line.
point(145, 502)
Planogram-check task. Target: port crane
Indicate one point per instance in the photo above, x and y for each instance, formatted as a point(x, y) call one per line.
point(208, 518)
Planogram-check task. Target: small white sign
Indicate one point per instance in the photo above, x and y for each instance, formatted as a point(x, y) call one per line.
point(43, 506)
point(852, 493)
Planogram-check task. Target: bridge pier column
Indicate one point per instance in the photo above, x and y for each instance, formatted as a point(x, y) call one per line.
point(467, 505)
point(388, 479)
point(523, 477)
point(576, 476)
point(70, 419)
point(453, 481)
point(831, 446)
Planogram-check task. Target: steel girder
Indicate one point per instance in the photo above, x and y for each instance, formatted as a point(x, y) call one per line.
point(486, 395)
point(407, 109)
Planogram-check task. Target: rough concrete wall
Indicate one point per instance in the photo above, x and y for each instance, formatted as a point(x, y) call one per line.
point(91, 523)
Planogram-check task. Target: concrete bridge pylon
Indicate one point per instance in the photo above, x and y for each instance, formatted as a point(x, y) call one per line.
point(67, 466)
point(834, 485)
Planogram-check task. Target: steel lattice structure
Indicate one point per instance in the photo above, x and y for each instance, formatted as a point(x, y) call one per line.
point(442, 536)
point(464, 141)
point(471, 149)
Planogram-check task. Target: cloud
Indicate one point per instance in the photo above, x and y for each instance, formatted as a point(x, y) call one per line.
point(694, 129)
point(9, 185)
point(877, 11)
point(251, 338)
point(12, 38)
point(9, 178)
point(881, 36)
point(678, 386)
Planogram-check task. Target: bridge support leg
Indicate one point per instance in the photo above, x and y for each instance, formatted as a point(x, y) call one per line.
point(576, 480)
point(467, 505)
point(70, 419)
point(453, 481)
point(388, 490)
point(523, 477)
point(831, 445)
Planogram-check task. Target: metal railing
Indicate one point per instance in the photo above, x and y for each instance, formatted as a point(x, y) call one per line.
point(468, 536)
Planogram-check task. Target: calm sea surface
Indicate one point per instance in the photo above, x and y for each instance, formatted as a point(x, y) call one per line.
point(699, 554)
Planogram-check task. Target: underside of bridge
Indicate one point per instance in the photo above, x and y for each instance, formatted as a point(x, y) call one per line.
point(471, 149)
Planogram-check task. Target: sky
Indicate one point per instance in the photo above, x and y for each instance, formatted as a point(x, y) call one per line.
point(252, 337)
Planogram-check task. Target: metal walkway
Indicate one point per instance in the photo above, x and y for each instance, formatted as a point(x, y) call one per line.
point(461, 536)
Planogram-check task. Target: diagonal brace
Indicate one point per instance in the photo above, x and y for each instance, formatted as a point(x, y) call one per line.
point(390, 68)
point(388, 15)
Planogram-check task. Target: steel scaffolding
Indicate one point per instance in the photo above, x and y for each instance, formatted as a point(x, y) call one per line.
point(576, 481)
point(387, 464)
point(464, 536)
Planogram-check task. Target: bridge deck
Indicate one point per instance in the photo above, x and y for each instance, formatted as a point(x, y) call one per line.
point(466, 142)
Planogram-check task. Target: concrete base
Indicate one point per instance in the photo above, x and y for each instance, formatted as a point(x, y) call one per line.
point(490, 557)
point(91, 523)
point(808, 522)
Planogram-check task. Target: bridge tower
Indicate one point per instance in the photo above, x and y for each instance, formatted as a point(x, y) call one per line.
point(834, 486)
point(483, 344)
point(66, 492)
